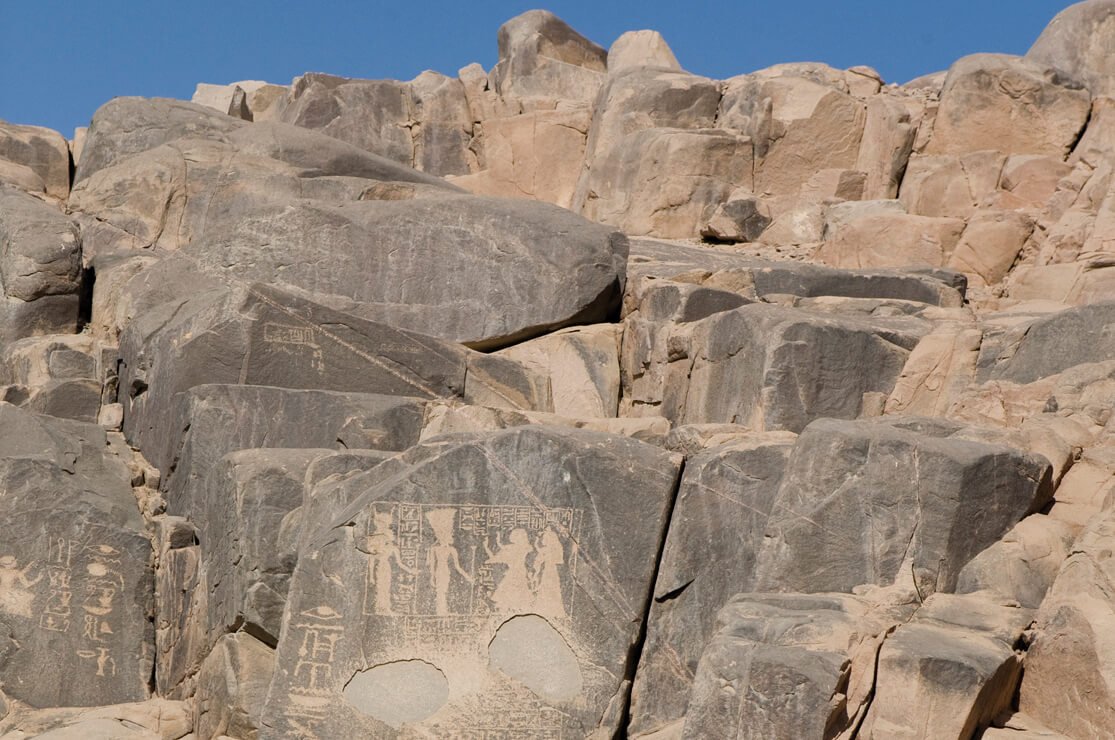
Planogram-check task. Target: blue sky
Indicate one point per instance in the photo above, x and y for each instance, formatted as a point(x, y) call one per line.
point(60, 60)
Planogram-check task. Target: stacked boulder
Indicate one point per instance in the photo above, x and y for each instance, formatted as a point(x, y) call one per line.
point(367, 408)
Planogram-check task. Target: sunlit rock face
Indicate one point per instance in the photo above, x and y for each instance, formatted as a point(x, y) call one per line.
point(584, 396)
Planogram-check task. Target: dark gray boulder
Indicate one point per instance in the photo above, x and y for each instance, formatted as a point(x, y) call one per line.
point(262, 336)
point(907, 501)
point(208, 422)
point(1052, 344)
point(716, 530)
point(501, 578)
point(76, 586)
point(763, 366)
point(40, 267)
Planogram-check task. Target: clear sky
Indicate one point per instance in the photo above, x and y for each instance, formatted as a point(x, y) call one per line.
point(60, 60)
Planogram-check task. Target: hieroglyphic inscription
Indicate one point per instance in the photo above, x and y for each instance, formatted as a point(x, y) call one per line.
point(93, 573)
point(295, 338)
point(103, 585)
point(313, 684)
point(58, 610)
point(444, 570)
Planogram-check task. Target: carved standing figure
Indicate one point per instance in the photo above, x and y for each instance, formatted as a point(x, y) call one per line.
point(548, 601)
point(382, 552)
point(16, 595)
point(514, 586)
point(442, 558)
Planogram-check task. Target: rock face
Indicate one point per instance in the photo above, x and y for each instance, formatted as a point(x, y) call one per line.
point(715, 533)
point(1073, 647)
point(514, 593)
point(1077, 42)
point(40, 267)
point(75, 571)
point(578, 397)
point(984, 91)
point(34, 159)
point(783, 665)
point(515, 251)
point(837, 525)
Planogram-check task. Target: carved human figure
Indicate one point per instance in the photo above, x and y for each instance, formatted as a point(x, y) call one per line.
point(513, 589)
point(442, 559)
point(16, 595)
point(382, 552)
point(550, 553)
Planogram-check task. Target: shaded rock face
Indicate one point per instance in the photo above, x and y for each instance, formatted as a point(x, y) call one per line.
point(375, 408)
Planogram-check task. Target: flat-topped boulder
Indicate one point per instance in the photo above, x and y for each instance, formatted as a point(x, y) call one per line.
point(894, 501)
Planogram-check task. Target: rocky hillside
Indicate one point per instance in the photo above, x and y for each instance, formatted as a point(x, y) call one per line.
point(584, 397)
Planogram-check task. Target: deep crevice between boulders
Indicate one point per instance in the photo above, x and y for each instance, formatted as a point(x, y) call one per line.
point(635, 652)
point(85, 297)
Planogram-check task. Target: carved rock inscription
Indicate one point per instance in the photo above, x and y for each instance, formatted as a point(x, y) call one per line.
point(506, 572)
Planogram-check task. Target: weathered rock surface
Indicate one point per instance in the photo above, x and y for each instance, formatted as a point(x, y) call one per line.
point(76, 588)
point(381, 453)
point(423, 123)
point(1052, 344)
point(34, 159)
point(534, 267)
point(788, 665)
point(546, 539)
point(649, 115)
point(1068, 685)
point(949, 671)
point(893, 501)
point(715, 533)
point(260, 336)
point(40, 267)
point(766, 367)
point(155, 719)
point(1078, 42)
point(1015, 105)
point(541, 56)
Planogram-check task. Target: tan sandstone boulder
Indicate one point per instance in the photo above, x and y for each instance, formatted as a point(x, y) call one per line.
point(1015, 105)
